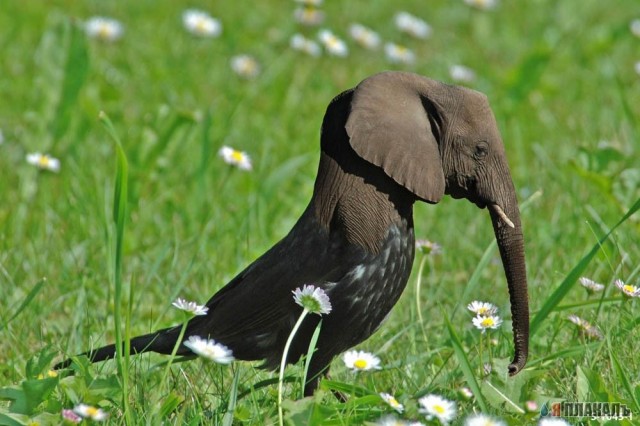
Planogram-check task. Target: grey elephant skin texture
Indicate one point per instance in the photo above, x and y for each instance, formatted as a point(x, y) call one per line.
point(394, 139)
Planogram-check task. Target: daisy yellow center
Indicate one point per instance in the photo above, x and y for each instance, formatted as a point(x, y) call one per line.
point(482, 310)
point(237, 156)
point(629, 288)
point(332, 42)
point(201, 25)
point(439, 409)
point(393, 402)
point(92, 411)
point(104, 31)
point(488, 322)
point(44, 161)
point(360, 363)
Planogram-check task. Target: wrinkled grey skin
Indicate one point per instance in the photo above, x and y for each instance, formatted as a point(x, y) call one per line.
point(445, 140)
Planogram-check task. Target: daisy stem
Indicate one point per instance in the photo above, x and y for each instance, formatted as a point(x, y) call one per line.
point(423, 262)
point(283, 363)
point(174, 351)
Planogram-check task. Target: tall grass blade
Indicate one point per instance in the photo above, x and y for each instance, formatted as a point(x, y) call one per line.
point(227, 420)
point(33, 293)
point(307, 360)
point(575, 273)
point(467, 371)
point(623, 377)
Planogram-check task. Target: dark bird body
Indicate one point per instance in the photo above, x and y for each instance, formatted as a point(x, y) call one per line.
point(355, 240)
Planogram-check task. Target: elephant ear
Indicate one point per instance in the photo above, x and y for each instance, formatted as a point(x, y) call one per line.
point(390, 127)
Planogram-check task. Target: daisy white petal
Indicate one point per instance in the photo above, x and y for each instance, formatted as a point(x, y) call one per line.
point(462, 74)
point(392, 401)
point(209, 349)
point(303, 44)
point(483, 420)
point(435, 406)
point(245, 66)
point(390, 421)
point(90, 412)
point(486, 322)
point(308, 15)
point(591, 285)
point(465, 393)
point(361, 360)
point(71, 416)
point(190, 307)
point(412, 25)
point(313, 299)
point(364, 36)
point(628, 289)
point(235, 158)
point(482, 308)
point(586, 328)
point(398, 54)
point(333, 44)
point(634, 26)
point(43, 162)
point(200, 23)
point(428, 247)
point(104, 29)
point(482, 4)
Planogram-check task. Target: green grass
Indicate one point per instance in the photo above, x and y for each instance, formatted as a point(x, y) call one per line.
point(559, 76)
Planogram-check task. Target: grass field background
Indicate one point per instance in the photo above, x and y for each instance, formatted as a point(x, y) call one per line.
point(560, 78)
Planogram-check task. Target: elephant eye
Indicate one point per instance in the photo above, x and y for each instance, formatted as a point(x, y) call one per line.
point(481, 150)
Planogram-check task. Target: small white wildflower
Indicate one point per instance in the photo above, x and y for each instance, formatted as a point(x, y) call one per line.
point(482, 308)
point(550, 421)
point(628, 289)
point(303, 44)
point(486, 322)
point(190, 307)
point(236, 158)
point(392, 401)
point(200, 23)
point(412, 25)
point(104, 29)
point(390, 421)
point(398, 54)
point(428, 247)
point(465, 393)
point(361, 360)
point(208, 348)
point(591, 285)
point(245, 66)
point(586, 327)
point(309, 16)
point(44, 162)
point(333, 44)
point(634, 26)
point(313, 299)
point(90, 412)
point(483, 420)
point(436, 406)
point(71, 416)
point(482, 4)
point(461, 74)
point(364, 36)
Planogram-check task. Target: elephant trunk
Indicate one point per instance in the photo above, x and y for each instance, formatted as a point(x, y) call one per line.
point(505, 217)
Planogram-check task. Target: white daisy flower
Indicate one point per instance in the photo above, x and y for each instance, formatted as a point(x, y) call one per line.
point(333, 44)
point(361, 360)
point(551, 421)
point(428, 247)
point(398, 54)
point(412, 25)
point(104, 29)
point(483, 420)
point(200, 23)
point(190, 307)
point(309, 16)
point(236, 158)
point(482, 4)
point(71, 416)
point(313, 299)
point(586, 327)
point(461, 74)
point(391, 421)
point(591, 285)
point(44, 162)
point(628, 289)
point(634, 26)
point(436, 406)
point(486, 322)
point(245, 66)
point(392, 401)
point(303, 44)
point(90, 412)
point(364, 36)
point(208, 348)
point(482, 308)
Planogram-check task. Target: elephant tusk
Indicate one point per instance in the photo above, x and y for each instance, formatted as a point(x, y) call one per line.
point(503, 215)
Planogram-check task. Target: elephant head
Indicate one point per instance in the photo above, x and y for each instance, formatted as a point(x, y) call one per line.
point(436, 139)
